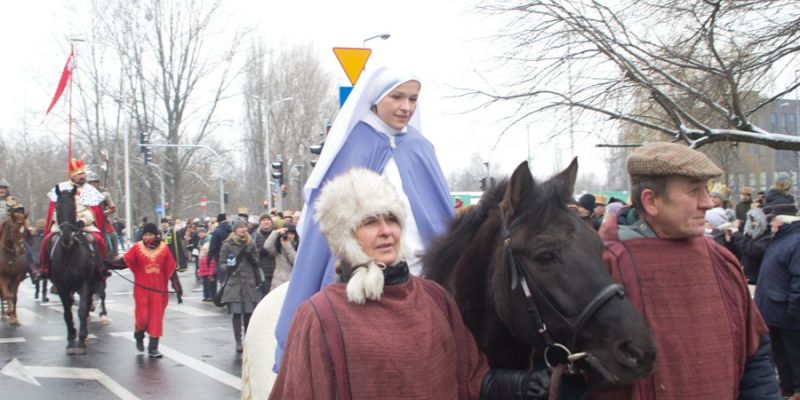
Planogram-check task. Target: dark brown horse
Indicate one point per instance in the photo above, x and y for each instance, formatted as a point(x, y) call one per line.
point(529, 279)
point(13, 264)
point(73, 269)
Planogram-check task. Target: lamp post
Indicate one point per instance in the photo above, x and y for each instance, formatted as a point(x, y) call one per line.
point(266, 134)
point(383, 36)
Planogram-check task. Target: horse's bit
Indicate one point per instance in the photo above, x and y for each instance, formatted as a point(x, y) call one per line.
point(555, 353)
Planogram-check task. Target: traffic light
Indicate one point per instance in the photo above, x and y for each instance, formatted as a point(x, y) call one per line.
point(278, 173)
point(315, 149)
point(144, 139)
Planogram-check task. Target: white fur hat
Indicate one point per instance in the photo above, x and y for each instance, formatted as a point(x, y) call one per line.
point(344, 203)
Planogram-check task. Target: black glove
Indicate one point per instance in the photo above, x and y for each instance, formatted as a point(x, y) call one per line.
point(792, 313)
point(511, 384)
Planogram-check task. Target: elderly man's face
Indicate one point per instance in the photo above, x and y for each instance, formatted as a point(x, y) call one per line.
point(680, 212)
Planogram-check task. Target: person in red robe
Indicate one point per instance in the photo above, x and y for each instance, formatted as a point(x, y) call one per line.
point(153, 266)
point(400, 336)
point(711, 340)
point(88, 213)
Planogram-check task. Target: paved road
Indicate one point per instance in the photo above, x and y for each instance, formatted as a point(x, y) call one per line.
point(199, 361)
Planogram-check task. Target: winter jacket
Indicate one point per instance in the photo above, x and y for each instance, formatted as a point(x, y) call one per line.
point(750, 251)
point(217, 237)
point(775, 196)
point(284, 261)
point(266, 261)
point(241, 286)
point(208, 266)
point(778, 289)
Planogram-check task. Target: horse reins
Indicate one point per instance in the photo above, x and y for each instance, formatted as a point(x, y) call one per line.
point(83, 242)
point(555, 353)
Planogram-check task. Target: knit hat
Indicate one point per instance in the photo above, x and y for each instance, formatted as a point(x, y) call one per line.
point(343, 204)
point(150, 228)
point(221, 217)
point(716, 216)
point(3, 182)
point(782, 182)
point(237, 222)
point(665, 159)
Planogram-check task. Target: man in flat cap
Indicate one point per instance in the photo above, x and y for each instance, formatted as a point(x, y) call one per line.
point(711, 340)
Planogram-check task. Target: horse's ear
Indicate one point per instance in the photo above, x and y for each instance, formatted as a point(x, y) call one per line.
point(565, 180)
point(520, 185)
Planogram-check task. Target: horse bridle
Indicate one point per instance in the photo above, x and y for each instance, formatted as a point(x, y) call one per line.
point(555, 353)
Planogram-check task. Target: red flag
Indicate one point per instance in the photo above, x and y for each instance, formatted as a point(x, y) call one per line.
point(66, 74)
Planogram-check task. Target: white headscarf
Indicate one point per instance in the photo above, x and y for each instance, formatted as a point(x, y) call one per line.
point(368, 91)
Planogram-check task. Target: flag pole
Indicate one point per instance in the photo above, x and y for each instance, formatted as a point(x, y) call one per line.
point(69, 143)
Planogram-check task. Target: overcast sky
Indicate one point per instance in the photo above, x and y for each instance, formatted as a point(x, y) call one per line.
point(444, 42)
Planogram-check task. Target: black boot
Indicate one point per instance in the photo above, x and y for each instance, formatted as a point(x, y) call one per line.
point(152, 348)
point(237, 331)
point(139, 336)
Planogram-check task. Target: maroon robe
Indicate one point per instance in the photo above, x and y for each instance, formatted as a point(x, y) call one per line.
point(399, 347)
point(695, 299)
point(152, 268)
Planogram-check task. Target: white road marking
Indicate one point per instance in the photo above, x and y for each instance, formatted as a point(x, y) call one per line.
point(12, 340)
point(29, 373)
point(197, 365)
point(122, 293)
point(55, 338)
point(121, 308)
point(193, 311)
point(208, 329)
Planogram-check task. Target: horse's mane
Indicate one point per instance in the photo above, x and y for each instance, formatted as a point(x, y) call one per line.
point(545, 199)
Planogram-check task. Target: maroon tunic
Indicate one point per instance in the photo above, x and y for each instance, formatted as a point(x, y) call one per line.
point(399, 347)
point(695, 299)
point(152, 268)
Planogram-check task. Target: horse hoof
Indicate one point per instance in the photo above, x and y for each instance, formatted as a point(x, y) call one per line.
point(72, 350)
point(104, 320)
point(45, 300)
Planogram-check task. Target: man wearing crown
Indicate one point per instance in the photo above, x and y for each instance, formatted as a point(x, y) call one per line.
point(88, 213)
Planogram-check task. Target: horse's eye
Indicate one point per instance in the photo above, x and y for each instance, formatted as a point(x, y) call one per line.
point(545, 257)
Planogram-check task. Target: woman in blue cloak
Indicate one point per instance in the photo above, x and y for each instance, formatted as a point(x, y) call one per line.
point(378, 128)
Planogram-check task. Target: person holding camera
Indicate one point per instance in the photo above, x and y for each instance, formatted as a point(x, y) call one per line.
point(241, 288)
point(282, 244)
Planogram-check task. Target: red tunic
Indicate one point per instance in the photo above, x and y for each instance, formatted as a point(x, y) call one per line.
point(151, 268)
point(695, 299)
point(399, 347)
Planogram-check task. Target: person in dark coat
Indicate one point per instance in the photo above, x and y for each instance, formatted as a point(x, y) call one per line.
point(778, 298)
point(749, 246)
point(266, 262)
point(217, 237)
point(745, 205)
point(241, 290)
point(779, 192)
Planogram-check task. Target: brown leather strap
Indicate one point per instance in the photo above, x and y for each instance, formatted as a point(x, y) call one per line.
point(332, 332)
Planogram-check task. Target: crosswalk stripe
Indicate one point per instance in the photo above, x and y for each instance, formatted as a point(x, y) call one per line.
point(26, 315)
point(12, 340)
point(207, 329)
point(197, 365)
point(55, 338)
point(193, 311)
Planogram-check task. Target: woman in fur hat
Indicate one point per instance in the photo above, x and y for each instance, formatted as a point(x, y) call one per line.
point(751, 244)
point(397, 335)
point(379, 128)
point(241, 288)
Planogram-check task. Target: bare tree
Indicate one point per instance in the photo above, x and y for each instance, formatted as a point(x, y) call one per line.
point(701, 64)
point(177, 69)
point(294, 72)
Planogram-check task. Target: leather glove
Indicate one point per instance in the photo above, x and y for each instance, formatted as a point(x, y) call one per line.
point(792, 313)
point(509, 384)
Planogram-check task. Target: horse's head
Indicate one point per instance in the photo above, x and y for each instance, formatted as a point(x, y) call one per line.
point(65, 210)
point(551, 288)
point(12, 233)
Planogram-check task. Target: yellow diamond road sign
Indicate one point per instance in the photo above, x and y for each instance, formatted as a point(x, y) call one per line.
point(352, 61)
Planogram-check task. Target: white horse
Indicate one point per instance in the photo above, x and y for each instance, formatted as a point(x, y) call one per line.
point(260, 345)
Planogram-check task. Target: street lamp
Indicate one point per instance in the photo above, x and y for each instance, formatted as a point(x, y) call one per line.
point(383, 36)
point(266, 134)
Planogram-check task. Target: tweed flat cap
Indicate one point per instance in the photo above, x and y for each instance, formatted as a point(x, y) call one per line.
point(662, 159)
